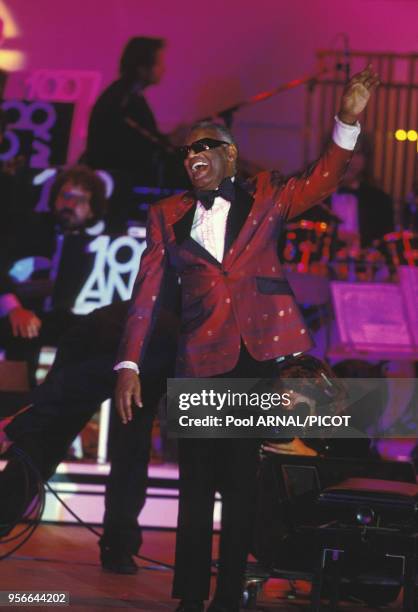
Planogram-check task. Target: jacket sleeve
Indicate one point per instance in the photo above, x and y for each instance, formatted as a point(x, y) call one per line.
point(298, 193)
point(8, 299)
point(146, 292)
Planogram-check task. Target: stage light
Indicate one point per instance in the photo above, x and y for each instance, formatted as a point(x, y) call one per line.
point(412, 135)
point(10, 59)
point(10, 27)
point(400, 135)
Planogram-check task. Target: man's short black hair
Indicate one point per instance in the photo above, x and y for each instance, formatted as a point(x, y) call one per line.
point(89, 181)
point(139, 52)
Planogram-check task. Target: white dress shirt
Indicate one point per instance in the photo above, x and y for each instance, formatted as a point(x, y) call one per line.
point(209, 226)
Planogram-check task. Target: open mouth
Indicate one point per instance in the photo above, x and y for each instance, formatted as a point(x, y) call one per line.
point(198, 169)
point(199, 166)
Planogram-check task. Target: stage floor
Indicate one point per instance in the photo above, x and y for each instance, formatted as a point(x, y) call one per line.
point(65, 558)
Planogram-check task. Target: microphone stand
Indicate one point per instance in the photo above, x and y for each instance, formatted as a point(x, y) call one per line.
point(228, 113)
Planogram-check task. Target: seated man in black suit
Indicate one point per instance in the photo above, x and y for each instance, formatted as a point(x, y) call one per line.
point(81, 378)
point(77, 206)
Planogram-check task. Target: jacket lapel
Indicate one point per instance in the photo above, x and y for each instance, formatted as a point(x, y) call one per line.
point(237, 217)
point(183, 226)
point(238, 214)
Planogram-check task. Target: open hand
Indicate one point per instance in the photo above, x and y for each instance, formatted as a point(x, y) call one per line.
point(294, 447)
point(128, 392)
point(24, 323)
point(357, 93)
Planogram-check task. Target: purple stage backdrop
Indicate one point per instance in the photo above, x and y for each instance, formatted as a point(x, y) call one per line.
point(215, 57)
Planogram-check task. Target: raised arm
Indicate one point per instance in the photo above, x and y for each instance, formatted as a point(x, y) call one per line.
point(301, 192)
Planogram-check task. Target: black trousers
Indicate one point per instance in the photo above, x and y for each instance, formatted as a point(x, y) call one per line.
point(79, 381)
point(230, 467)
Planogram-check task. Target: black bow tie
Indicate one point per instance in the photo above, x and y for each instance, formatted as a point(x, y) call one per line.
point(226, 190)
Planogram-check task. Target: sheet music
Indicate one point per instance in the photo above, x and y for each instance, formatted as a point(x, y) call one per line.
point(372, 316)
point(408, 277)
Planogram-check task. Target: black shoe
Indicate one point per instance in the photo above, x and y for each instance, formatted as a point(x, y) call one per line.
point(218, 606)
point(118, 562)
point(190, 605)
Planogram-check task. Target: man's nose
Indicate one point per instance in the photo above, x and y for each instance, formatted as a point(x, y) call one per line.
point(191, 154)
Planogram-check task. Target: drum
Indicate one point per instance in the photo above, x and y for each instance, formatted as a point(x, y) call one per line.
point(308, 246)
point(359, 265)
point(400, 248)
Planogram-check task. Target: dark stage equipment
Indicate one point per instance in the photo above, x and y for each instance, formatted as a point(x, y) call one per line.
point(356, 539)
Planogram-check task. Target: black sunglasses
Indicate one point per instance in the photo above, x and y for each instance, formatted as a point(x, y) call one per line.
point(204, 144)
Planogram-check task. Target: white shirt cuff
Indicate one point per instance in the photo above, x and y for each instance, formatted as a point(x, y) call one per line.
point(345, 135)
point(8, 301)
point(128, 365)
